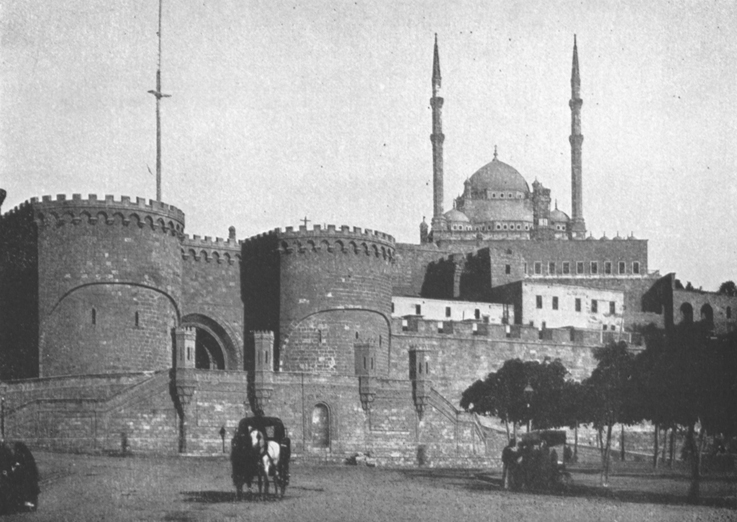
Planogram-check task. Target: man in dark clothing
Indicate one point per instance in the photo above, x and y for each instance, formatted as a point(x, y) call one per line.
point(509, 459)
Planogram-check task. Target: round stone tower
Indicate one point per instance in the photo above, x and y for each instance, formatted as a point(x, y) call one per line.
point(109, 277)
point(334, 292)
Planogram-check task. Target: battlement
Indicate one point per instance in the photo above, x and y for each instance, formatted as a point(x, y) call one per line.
point(50, 210)
point(208, 249)
point(330, 239)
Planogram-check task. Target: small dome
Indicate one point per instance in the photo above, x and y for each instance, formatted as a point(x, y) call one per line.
point(498, 176)
point(559, 216)
point(456, 216)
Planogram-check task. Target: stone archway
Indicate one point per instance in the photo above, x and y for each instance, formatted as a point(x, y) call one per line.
point(707, 314)
point(686, 313)
point(208, 353)
point(214, 347)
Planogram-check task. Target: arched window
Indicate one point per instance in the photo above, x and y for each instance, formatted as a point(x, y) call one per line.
point(686, 313)
point(320, 426)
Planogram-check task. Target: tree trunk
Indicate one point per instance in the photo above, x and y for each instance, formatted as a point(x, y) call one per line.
point(605, 456)
point(506, 426)
point(702, 443)
point(665, 444)
point(575, 444)
point(672, 453)
point(693, 490)
point(621, 443)
point(655, 445)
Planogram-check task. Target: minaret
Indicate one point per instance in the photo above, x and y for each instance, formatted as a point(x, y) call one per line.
point(437, 137)
point(578, 225)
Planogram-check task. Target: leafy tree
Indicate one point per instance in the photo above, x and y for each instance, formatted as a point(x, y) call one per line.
point(728, 288)
point(501, 394)
point(608, 396)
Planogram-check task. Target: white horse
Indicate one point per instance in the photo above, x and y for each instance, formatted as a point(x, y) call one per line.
point(268, 461)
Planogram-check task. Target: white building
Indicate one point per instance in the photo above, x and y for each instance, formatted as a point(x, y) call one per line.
point(447, 310)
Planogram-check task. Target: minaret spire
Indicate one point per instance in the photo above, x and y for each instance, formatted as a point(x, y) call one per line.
point(158, 94)
point(437, 138)
point(578, 225)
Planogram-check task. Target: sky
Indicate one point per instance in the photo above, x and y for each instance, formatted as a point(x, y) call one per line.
point(282, 110)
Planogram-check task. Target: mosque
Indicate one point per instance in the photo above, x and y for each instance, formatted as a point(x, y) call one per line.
point(119, 326)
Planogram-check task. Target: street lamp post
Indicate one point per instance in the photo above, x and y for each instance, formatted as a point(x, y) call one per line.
point(528, 397)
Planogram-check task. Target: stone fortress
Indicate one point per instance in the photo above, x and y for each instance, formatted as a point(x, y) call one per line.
point(116, 325)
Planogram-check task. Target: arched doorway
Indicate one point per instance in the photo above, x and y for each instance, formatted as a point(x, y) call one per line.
point(686, 313)
point(707, 314)
point(208, 354)
point(214, 346)
point(320, 426)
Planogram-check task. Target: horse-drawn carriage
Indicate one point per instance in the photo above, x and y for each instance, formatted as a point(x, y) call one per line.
point(260, 449)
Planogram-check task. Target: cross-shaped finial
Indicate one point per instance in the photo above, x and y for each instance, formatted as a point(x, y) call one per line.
point(305, 220)
point(494, 151)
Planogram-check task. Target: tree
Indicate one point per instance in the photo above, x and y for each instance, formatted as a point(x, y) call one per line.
point(728, 288)
point(501, 394)
point(608, 396)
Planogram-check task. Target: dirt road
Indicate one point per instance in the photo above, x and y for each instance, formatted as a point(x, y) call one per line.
point(79, 487)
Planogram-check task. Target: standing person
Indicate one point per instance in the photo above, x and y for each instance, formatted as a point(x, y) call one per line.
point(509, 459)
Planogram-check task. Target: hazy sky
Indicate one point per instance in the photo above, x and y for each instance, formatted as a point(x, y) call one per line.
point(321, 108)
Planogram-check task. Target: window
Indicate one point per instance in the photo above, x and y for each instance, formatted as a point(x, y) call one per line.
point(636, 267)
point(594, 306)
point(94, 316)
point(622, 267)
point(538, 267)
point(729, 312)
point(594, 267)
point(612, 307)
point(608, 267)
point(579, 267)
point(137, 320)
point(551, 268)
point(566, 268)
point(508, 269)
point(525, 268)
point(555, 302)
point(539, 301)
point(447, 311)
point(477, 314)
point(440, 326)
point(603, 327)
point(405, 325)
point(578, 304)
point(418, 309)
point(392, 307)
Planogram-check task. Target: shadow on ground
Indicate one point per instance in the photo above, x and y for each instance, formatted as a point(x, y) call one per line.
point(476, 480)
point(224, 497)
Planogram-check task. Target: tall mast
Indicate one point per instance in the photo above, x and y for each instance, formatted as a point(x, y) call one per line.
point(158, 94)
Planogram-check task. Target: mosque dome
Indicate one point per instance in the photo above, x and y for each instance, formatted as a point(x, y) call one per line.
point(497, 176)
point(559, 216)
point(456, 216)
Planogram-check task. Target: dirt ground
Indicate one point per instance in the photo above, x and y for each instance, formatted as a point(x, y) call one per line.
point(80, 487)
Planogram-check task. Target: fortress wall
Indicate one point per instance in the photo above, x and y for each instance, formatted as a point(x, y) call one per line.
point(457, 361)
point(19, 287)
point(211, 288)
point(118, 258)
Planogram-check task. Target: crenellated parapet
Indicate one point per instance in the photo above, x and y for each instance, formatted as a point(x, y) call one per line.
point(60, 211)
point(329, 239)
point(211, 250)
